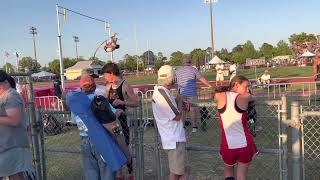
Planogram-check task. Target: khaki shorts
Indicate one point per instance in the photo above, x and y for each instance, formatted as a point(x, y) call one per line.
point(192, 100)
point(177, 159)
point(220, 77)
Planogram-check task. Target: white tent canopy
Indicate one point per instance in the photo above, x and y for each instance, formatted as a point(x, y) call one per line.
point(307, 54)
point(43, 74)
point(216, 60)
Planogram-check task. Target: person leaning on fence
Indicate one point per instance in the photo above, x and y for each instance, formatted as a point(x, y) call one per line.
point(15, 158)
point(170, 124)
point(94, 166)
point(121, 96)
point(187, 85)
point(237, 145)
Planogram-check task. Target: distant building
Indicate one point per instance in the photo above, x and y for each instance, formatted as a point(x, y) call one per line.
point(80, 67)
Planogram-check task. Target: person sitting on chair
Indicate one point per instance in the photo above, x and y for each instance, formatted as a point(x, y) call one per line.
point(265, 78)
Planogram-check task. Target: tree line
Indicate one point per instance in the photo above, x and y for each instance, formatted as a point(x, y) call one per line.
point(238, 54)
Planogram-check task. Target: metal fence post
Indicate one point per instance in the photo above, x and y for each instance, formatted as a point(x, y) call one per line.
point(284, 138)
point(157, 153)
point(296, 141)
point(141, 149)
point(41, 146)
point(35, 129)
point(135, 153)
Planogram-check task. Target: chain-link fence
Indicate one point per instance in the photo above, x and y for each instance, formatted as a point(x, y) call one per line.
point(310, 142)
point(62, 154)
point(203, 146)
point(55, 141)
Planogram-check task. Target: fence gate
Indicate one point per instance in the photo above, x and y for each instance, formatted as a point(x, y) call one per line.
point(203, 146)
point(310, 119)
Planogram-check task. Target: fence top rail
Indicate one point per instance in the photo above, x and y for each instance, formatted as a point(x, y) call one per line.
point(54, 112)
point(311, 113)
point(43, 97)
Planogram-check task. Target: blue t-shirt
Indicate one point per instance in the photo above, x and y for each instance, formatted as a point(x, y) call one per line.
point(77, 120)
point(187, 80)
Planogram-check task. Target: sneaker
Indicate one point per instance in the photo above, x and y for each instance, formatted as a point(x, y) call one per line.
point(194, 129)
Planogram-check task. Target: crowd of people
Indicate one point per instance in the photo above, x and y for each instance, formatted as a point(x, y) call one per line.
point(100, 112)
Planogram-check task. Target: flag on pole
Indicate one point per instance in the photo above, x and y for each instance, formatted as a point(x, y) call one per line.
point(65, 15)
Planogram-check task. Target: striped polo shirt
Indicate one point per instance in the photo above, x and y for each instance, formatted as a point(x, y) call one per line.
point(187, 80)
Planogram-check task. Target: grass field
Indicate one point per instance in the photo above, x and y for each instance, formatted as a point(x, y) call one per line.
point(285, 72)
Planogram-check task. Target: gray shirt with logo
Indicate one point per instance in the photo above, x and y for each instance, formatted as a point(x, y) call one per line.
point(13, 137)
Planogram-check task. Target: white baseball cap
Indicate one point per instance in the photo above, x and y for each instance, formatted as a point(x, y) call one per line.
point(166, 72)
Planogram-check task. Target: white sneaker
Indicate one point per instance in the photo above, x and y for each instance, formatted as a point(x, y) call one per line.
point(194, 129)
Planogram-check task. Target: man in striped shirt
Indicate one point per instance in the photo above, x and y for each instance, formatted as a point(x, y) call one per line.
point(187, 85)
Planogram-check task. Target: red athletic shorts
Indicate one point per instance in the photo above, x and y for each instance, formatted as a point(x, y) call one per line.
point(243, 155)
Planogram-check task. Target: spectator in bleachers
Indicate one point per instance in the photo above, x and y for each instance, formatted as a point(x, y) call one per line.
point(265, 78)
point(15, 158)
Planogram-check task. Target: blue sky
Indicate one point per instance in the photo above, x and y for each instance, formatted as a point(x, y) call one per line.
point(167, 25)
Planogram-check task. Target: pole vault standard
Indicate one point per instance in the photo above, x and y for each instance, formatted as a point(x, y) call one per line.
point(64, 13)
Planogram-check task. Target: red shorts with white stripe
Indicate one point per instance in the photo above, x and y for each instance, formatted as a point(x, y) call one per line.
point(243, 155)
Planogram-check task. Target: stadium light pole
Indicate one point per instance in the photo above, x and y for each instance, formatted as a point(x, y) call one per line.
point(17, 54)
point(33, 31)
point(211, 24)
point(60, 49)
point(76, 40)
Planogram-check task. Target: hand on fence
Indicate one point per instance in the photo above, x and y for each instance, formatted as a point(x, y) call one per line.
point(117, 102)
point(119, 112)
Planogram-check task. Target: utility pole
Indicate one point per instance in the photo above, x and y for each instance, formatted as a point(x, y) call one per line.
point(60, 49)
point(33, 31)
point(17, 61)
point(76, 40)
point(135, 37)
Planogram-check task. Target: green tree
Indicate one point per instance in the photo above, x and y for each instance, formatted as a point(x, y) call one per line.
point(249, 51)
point(158, 63)
point(267, 50)
point(148, 58)
point(225, 55)
point(30, 64)
point(175, 59)
point(54, 66)
point(197, 56)
point(130, 63)
point(302, 37)
point(8, 68)
point(282, 48)
point(237, 54)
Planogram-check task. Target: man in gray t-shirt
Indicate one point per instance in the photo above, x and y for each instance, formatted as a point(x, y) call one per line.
point(15, 157)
